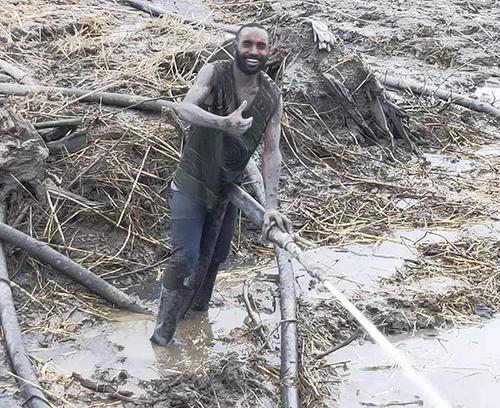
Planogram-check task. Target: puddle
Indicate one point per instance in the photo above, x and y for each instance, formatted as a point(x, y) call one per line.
point(123, 344)
point(197, 10)
point(358, 267)
point(489, 95)
point(489, 150)
point(449, 163)
point(464, 365)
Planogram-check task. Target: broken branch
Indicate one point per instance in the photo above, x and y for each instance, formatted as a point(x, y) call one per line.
point(16, 73)
point(106, 98)
point(427, 90)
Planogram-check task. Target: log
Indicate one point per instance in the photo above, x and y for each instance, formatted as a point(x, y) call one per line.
point(289, 341)
point(12, 336)
point(106, 98)
point(16, 73)
point(65, 265)
point(58, 123)
point(427, 90)
point(156, 11)
point(288, 306)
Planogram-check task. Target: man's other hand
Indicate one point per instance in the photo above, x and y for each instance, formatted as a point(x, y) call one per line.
point(272, 217)
point(235, 124)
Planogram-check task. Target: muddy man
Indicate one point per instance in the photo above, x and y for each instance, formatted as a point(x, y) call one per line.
point(230, 108)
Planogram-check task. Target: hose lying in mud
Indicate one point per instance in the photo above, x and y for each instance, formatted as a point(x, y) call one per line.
point(427, 90)
point(65, 265)
point(288, 305)
point(255, 212)
point(13, 339)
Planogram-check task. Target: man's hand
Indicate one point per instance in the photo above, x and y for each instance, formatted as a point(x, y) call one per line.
point(235, 124)
point(274, 217)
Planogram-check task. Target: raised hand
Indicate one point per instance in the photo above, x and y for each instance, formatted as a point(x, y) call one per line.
point(235, 124)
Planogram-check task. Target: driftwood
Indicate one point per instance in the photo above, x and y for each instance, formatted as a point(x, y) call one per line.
point(97, 387)
point(57, 123)
point(106, 98)
point(12, 336)
point(16, 73)
point(387, 117)
point(337, 347)
point(288, 305)
point(158, 12)
point(51, 130)
point(70, 268)
point(68, 144)
point(427, 90)
point(254, 317)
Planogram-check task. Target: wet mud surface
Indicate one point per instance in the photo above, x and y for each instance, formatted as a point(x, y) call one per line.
point(412, 239)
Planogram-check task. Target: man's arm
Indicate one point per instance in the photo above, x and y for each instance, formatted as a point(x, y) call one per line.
point(271, 165)
point(189, 110)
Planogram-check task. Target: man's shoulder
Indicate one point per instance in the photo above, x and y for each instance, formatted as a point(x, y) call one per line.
point(221, 64)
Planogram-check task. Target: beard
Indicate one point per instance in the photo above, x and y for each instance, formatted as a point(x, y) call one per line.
point(242, 64)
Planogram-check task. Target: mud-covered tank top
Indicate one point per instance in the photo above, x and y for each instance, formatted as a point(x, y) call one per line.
point(212, 159)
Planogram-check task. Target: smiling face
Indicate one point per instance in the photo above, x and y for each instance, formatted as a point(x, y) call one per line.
point(252, 50)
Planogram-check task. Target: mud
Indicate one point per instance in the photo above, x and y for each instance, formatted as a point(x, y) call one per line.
point(411, 239)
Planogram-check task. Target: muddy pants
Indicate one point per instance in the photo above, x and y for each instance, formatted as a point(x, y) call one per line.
point(188, 221)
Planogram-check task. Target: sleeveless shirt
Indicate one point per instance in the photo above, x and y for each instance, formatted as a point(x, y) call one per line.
point(212, 158)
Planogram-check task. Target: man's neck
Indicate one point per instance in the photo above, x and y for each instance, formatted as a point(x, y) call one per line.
point(243, 79)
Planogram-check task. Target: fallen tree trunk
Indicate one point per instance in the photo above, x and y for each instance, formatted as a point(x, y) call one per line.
point(288, 305)
point(12, 335)
point(70, 268)
point(17, 73)
point(427, 90)
point(106, 98)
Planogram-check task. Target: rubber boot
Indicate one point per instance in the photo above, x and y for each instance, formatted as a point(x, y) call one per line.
point(173, 304)
point(202, 299)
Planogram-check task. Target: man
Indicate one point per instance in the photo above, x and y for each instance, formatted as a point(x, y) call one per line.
point(231, 107)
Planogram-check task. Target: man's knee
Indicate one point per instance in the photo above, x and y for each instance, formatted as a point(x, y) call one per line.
point(180, 265)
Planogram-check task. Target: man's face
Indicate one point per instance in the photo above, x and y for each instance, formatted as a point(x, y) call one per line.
point(252, 50)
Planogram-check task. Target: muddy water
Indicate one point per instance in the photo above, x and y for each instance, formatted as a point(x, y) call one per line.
point(187, 9)
point(123, 343)
point(464, 364)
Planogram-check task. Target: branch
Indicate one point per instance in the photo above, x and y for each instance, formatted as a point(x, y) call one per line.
point(12, 336)
point(427, 90)
point(16, 73)
point(106, 98)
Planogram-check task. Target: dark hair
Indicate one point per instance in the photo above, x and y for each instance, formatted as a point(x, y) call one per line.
point(249, 25)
